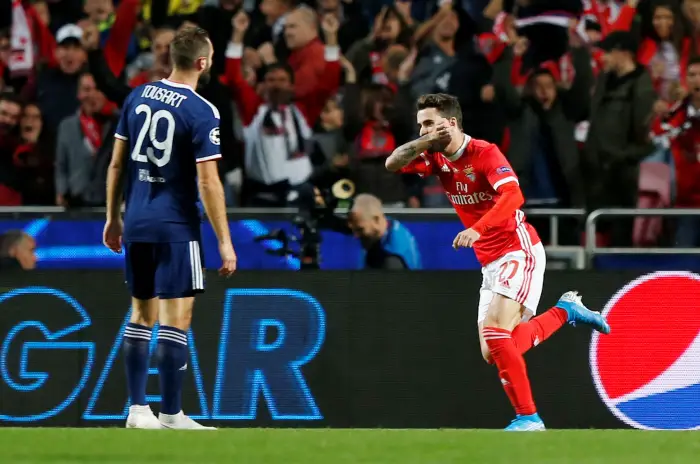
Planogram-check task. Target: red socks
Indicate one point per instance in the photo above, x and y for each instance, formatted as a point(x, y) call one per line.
point(536, 330)
point(511, 369)
point(507, 353)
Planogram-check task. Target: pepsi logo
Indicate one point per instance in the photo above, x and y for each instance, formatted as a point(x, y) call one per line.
point(647, 370)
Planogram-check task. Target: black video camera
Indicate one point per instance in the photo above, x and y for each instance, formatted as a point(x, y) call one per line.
point(317, 207)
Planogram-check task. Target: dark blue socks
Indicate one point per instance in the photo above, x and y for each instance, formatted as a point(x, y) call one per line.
point(137, 338)
point(172, 355)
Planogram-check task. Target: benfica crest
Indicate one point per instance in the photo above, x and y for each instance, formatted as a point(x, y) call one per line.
point(469, 172)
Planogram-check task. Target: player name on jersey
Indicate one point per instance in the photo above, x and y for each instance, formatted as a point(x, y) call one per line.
point(169, 97)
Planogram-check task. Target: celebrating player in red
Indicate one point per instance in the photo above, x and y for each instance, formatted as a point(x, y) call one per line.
point(484, 190)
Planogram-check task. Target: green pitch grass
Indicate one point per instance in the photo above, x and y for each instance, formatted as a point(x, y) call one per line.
point(290, 446)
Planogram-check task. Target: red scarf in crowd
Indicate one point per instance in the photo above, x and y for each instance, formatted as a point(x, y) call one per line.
point(92, 127)
point(92, 132)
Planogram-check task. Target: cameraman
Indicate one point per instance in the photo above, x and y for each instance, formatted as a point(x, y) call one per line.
point(386, 243)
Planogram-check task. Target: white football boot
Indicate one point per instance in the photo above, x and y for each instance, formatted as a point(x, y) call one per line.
point(141, 417)
point(181, 422)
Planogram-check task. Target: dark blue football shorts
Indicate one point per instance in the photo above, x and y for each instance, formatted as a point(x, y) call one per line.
point(164, 270)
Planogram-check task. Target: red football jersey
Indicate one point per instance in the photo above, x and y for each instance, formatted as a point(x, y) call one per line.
point(472, 178)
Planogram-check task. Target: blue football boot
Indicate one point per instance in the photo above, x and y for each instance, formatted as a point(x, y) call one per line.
point(579, 314)
point(531, 423)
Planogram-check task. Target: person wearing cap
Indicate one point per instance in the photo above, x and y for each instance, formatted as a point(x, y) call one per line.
point(57, 88)
point(618, 138)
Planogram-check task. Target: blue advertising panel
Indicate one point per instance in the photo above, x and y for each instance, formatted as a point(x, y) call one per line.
point(77, 244)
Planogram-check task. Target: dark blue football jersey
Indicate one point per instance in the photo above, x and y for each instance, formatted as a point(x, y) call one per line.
point(169, 128)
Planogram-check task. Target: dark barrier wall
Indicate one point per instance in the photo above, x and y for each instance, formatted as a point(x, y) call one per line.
point(351, 350)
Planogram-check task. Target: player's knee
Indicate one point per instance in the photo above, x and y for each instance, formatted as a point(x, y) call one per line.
point(179, 321)
point(144, 312)
point(503, 313)
point(495, 322)
point(146, 320)
point(176, 313)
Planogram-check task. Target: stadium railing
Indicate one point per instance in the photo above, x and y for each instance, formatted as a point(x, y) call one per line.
point(573, 254)
point(592, 249)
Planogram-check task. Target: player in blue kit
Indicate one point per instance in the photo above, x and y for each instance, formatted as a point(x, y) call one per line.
point(165, 153)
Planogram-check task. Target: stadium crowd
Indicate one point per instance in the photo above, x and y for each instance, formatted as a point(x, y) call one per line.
point(594, 102)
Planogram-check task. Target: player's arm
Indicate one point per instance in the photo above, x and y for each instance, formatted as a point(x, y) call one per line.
point(211, 191)
point(115, 179)
point(207, 144)
point(115, 172)
point(112, 234)
point(406, 153)
point(504, 181)
point(509, 202)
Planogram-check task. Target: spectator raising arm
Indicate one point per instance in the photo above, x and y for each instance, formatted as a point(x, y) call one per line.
point(576, 99)
point(115, 90)
point(424, 30)
point(117, 45)
point(506, 94)
point(247, 99)
point(312, 104)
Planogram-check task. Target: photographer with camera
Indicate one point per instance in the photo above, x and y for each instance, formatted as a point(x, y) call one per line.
point(386, 243)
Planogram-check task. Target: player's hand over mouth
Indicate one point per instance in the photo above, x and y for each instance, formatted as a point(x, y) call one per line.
point(228, 259)
point(465, 239)
point(440, 138)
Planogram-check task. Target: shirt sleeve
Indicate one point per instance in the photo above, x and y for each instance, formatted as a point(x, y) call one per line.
point(122, 131)
point(207, 139)
point(422, 166)
point(497, 169)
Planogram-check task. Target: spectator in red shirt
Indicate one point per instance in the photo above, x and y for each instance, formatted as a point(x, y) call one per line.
point(307, 56)
point(680, 132)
